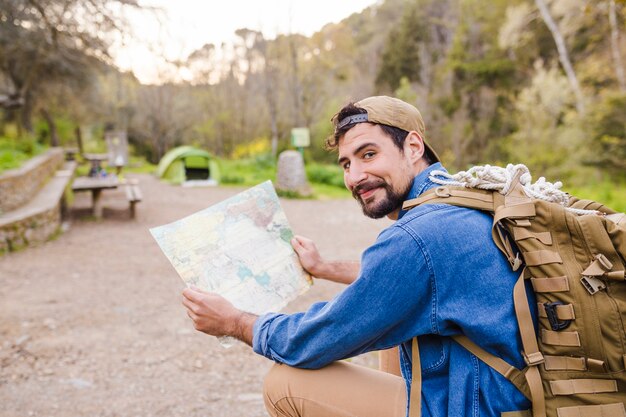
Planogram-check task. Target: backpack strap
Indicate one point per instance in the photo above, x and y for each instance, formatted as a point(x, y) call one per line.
point(456, 196)
point(498, 364)
point(532, 356)
point(589, 205)
point(617, 218)
point(485, 200)
point(415, 399)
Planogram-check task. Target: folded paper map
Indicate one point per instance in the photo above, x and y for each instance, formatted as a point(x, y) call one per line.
point(239, 248)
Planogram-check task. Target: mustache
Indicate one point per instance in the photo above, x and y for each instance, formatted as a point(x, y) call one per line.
point(366, 186)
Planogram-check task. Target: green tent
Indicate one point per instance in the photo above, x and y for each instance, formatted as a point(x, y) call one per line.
point(188, 163)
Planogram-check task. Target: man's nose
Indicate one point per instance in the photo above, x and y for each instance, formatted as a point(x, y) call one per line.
point(354, 176)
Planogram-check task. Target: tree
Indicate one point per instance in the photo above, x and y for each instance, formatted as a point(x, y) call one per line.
point(563, 54)
point(165, 116)
point(616, 48)
point(262, 57)
point(47, 42)
point(401, 56)
point(607, 148)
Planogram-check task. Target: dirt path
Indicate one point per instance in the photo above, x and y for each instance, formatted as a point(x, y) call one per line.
point(92, 325)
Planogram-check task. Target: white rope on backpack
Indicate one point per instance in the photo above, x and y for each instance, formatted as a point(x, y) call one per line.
point(489, 177)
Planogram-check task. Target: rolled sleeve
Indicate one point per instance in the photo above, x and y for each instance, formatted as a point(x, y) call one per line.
point(259, 338)
point(395, 283)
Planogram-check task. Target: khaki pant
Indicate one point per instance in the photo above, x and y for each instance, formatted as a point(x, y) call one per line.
point(340, 389)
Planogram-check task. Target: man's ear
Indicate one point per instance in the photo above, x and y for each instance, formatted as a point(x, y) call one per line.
point(414, 146)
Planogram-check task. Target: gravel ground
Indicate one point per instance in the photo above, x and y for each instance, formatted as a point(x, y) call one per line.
point(92, 322)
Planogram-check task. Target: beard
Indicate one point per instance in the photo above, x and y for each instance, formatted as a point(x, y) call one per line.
point(392, 200)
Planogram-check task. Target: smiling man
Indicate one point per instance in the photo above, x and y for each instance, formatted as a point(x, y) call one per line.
point(435, 273)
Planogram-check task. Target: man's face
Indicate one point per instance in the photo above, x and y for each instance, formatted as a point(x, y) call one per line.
point(377, 173)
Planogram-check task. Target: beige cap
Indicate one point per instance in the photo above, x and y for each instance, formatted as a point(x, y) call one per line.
point(390, 111)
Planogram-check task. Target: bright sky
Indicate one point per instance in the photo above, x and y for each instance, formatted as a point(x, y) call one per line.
point(186, 25)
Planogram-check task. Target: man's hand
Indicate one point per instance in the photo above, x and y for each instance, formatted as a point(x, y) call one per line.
point(214, 315)
point(309, 255)
point(344, 272)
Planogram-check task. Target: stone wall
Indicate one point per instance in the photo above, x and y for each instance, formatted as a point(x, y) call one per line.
point(18, 186)
point(30, 230)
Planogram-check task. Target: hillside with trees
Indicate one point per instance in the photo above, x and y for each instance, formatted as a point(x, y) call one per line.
point(539, 82)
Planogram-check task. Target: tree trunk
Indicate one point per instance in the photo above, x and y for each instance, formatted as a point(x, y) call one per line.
point(297, 96)
point(615, 47)
point(273, 111)
point(26, 115)
point(54, 137)
point(269, 78)
point(79, 139)
point(563, 55)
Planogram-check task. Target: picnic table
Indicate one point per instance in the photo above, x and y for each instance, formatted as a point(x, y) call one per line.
point(98, 184)
point(95, 185)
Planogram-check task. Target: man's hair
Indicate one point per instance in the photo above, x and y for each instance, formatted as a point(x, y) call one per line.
point(397, 135)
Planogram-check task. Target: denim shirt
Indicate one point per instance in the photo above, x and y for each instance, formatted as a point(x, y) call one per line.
point(434, 273)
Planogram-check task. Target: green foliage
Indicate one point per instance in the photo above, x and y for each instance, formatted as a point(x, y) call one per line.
point(139, 165)
point(93, 140)
point(292, 194)
point(15, 151)
point(325, 180)
point(248, 172)
point(609, 193)
point(254, 147)
point(607, 123)
point(549, 137)
point(483, 71)
point(401, 56)
point(65, 131)
point(405, 91)
point(321, 130)
point(325, 174)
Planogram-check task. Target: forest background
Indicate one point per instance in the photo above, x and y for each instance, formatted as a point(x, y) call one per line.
point(539, 82)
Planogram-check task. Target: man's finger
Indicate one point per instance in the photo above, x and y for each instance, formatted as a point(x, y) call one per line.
point(296, 243)
point(193, 294)
point(200, 290)
point(192, 315)
point(189, 305)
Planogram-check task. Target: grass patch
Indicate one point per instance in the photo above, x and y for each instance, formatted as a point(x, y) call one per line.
point(326, 180)
point(139, 165)
point(246, 172)
point(294, 195)
point(325, 174)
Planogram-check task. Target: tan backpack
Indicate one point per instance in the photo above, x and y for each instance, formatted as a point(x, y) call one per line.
point(574, 253)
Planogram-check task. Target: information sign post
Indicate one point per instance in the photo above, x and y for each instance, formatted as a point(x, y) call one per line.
point(300, 138)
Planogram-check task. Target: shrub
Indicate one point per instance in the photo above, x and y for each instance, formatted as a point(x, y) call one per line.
point(15, 151)
point(325, 174)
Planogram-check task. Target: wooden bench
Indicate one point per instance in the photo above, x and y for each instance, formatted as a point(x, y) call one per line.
point(134, 196)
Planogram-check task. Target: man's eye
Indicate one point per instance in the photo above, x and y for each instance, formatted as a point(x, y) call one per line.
point(368, 155)
point(346, 166)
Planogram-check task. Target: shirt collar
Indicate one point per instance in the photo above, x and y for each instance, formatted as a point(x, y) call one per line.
point(421, 183)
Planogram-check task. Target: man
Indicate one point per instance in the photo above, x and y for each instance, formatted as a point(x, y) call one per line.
point(434, 273)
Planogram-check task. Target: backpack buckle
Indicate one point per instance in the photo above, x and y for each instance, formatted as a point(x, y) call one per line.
point(533, 359)
point(515, 262)
point(443, 192)
point(555, 323)
point(592, 284)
